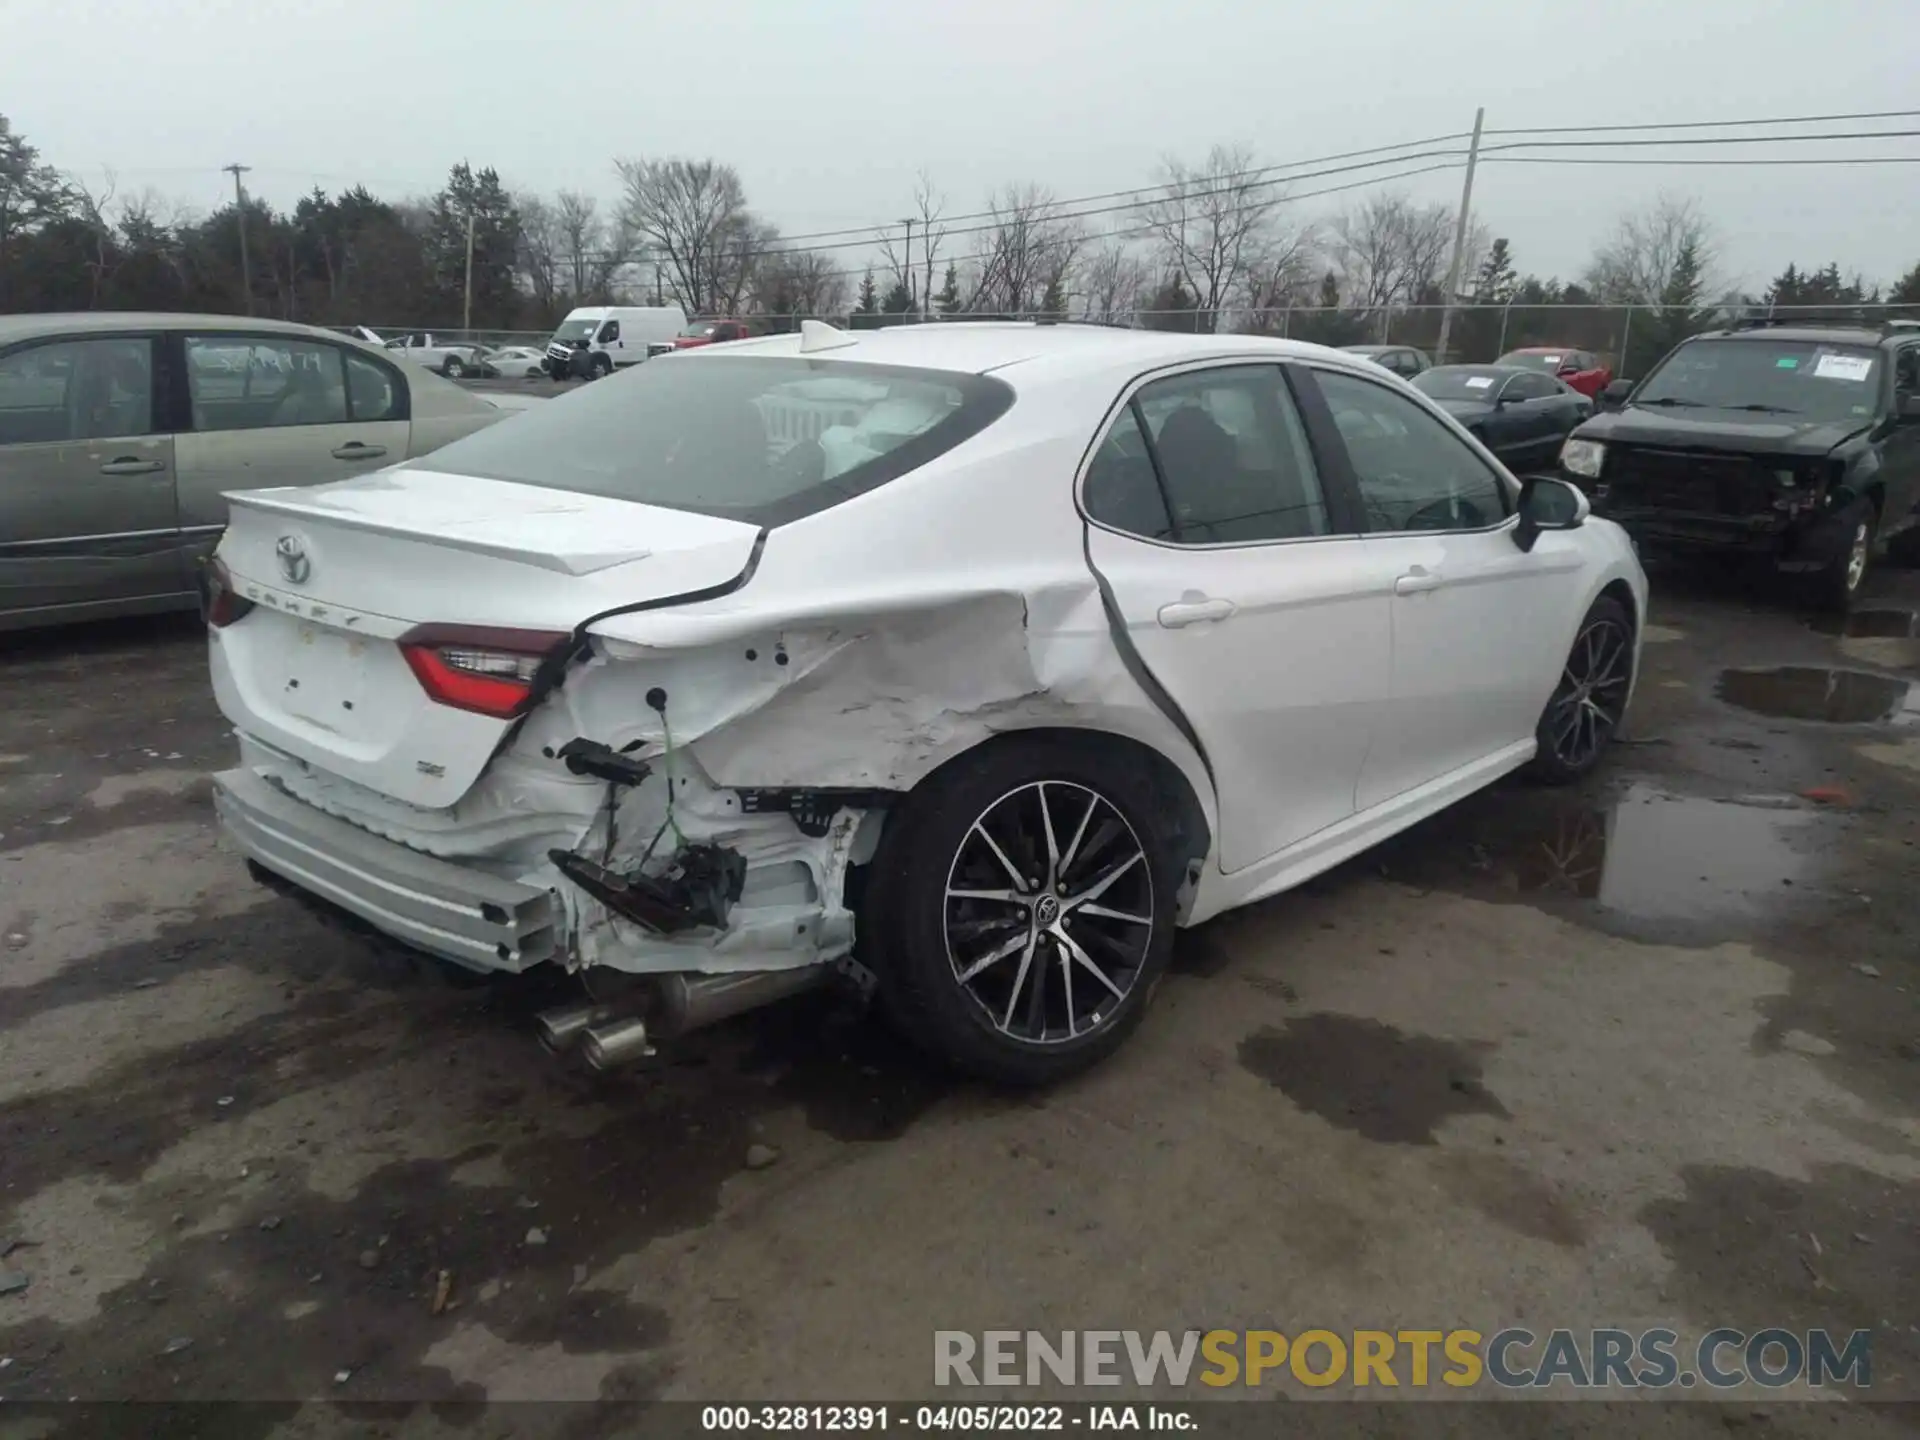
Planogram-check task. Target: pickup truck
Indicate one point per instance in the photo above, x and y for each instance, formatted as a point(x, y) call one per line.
point(451, 358)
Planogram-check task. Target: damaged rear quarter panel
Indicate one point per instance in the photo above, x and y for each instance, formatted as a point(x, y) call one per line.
point(877, 641)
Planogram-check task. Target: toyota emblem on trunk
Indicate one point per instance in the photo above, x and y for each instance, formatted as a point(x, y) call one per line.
point(292, 555)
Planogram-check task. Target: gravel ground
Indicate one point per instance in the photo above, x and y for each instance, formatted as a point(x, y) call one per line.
point(1645, 1052)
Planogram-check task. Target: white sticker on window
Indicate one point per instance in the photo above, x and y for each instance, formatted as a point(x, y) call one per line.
point(1479, 382)
point(1843, 367)
point(1550, 359)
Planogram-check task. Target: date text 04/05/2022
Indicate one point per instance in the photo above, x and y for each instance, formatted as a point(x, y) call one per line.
point(879, 1419)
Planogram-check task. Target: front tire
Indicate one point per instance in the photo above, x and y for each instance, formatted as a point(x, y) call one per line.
point(454, 368)
point(1837, 585)
point(1591, 699)
point(600, 368)
point(1023, 910)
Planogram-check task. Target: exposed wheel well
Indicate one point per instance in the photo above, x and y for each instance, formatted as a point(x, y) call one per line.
point(1621, 591)
point(1186, 817)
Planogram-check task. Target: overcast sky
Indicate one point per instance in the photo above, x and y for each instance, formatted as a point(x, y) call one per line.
point(829, 107)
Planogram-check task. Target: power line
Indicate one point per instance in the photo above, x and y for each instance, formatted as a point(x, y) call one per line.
point(1158, 188)
point(1700, 160)
point(1713, 124)
point(1702, 140)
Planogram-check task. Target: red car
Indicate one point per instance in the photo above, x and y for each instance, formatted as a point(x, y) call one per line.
point(710, 332)
point(1576, 369)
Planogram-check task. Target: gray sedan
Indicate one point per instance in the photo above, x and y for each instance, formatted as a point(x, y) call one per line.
point(121, 433)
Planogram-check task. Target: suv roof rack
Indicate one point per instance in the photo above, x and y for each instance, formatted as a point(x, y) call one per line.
point(1822, 322)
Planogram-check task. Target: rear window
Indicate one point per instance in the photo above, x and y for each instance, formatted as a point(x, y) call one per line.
point(1547, 360)
point(1459, 383)
point(762, 439)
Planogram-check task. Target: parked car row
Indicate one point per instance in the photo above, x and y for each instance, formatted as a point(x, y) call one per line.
point(786, 554)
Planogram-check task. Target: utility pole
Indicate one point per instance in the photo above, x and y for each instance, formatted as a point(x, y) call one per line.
point(907, 269)
point(240, 215)
point(1459, 238)
point(466, 317)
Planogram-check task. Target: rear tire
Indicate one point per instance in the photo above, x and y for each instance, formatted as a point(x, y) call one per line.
point(1022, 979)
point(1590, 700)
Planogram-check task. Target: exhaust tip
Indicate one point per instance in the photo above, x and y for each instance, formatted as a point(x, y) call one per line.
point(619, 1043)
point(559, 1029)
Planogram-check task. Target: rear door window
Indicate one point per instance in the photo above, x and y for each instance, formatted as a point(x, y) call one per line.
point(244, 382)
point(760, 439)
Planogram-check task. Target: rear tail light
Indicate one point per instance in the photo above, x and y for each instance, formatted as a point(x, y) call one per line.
point(486, 670)
point(220, 603)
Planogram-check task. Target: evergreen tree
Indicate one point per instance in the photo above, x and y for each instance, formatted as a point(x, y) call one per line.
point(1053, 304)
point(948, 300)
point(481, 198)
point(899, 300)
point(1496, 280)
point(1172, 308)
point(869, 302)
point(1907, 290)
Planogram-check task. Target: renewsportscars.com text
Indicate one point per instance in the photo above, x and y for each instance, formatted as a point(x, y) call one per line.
point(1513, 1358)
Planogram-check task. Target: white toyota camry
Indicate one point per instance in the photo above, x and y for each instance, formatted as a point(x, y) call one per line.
point(964, 661)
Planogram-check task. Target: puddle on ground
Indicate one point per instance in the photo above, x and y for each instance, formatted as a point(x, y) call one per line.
point(1875, 624)
point(1644, 855)
point(1656, 856)
point(1364, 1076)
point(1839, 697)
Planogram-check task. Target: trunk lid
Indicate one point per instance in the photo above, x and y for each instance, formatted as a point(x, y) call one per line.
point(339, 573)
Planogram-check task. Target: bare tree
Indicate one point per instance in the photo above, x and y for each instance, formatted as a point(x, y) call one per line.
point(693, 216)
point(798, 284)
point(912, 265)
point(541, 242)
point(1219, 229)
point(1390, 251)
point(593, 250)
point(1112, 280)
point(1636, 263)
point(1030, 250)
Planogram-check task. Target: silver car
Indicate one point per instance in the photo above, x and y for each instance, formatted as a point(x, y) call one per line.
point(120, 435)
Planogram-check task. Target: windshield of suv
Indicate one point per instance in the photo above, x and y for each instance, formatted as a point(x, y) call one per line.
point(764, 439)
point(576, 329)
point(1460, 382)
point(1781, 377)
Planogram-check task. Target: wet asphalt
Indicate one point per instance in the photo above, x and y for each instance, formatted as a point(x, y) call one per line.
point(1645, 1051)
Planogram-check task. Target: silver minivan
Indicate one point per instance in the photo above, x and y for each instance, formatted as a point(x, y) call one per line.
point(120, 434)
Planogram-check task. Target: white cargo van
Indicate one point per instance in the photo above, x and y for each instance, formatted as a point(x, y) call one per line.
point(605, 337)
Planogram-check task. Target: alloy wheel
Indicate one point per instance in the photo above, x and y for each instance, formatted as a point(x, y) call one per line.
point(1049, 912)
point(1592, 695)
point(1857, 552)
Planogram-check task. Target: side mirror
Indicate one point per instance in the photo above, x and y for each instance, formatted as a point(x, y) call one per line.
point(1617, 392)
point(1547, 503)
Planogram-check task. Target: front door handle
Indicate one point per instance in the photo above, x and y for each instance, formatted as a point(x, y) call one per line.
point(354, 450)
point(1417, 580)
point(132, 465)
point(1193, 612)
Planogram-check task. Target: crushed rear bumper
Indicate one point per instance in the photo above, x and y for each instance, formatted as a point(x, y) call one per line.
point(460, 914)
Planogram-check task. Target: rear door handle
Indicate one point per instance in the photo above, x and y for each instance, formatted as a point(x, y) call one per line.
point(1193, 612)
point(1415, 581)
point(354, 450)
point(130, 465)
